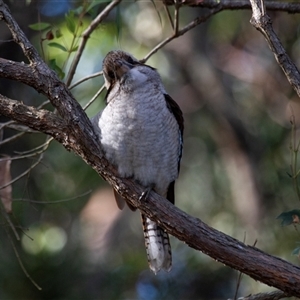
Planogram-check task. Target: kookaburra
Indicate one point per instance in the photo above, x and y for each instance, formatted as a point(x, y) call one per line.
point(141, 130)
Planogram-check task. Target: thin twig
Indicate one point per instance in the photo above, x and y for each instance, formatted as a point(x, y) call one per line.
point(30, 155)
point(239, 276)
point(12, 138)
point(181, 32)
point(85, 37)
point(176, 17)
point(29, 152)
point(294, 148)
point(95, 97)
point(24, 173)
point(8, 220)
point(21, 263)
point(22, 128)
point(85, 79)
point(169, 16)
point(3, 125)
point(43, 104)
point(53, 202)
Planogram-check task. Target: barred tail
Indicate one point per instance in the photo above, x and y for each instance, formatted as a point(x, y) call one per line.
point(158, 246)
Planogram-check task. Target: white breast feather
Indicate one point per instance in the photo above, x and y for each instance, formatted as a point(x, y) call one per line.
point(140, 135)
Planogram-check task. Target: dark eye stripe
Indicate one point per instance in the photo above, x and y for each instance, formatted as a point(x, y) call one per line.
point(130, 60)
point(111, 74)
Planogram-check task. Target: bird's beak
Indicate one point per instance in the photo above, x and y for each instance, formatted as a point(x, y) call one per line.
point(122, 67)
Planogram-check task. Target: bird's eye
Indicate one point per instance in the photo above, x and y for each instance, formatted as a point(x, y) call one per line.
point(111, 74)
point(130, 60)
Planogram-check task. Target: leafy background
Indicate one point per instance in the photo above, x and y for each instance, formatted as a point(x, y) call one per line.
point(241, 118)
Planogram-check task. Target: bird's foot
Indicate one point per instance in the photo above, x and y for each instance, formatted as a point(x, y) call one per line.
point(145, 194)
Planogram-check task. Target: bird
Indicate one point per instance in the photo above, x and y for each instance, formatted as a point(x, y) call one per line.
point(141, 133)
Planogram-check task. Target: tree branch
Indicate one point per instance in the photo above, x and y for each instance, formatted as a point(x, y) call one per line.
point(85, 36)
point(177, 33)
point(276, 295)
point(223, 248)
point(41, 120)
point(80, 138)
point(18, 35)
point(262, 22)
point(40, 77)
point(290, 7)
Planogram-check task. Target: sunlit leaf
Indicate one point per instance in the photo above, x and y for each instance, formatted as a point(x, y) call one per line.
point(70, 21)
point(59, 46)
point(39, 26)
point(93, 4)
point(289, 217)
point(58, 33)
point(79, 10)
point(74, 49)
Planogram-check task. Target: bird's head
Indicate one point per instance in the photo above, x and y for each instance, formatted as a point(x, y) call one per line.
point(116, 64)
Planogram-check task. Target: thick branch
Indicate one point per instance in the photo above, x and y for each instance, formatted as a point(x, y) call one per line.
point(249, 260)
point(45, 81)
point(276, 295)
point(263, 267)
point(18, 35)
point(82, 140)
point(223, 248)
point(40, 120)
point(21, 72)
point(290, 7)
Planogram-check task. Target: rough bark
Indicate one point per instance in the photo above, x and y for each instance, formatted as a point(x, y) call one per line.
point(72, 128)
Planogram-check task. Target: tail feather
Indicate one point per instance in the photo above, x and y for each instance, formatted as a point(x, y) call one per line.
point(158, 246)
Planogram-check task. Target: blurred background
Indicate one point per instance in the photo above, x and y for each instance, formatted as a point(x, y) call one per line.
point(235, 171)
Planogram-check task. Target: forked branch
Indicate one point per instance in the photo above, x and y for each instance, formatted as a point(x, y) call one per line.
point(262, 22)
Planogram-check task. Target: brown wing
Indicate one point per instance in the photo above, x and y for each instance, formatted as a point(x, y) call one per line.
point(176, 111)
point(121, 202)
point(171, 192)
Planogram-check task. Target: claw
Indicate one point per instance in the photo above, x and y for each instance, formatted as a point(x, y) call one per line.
point(145, 194)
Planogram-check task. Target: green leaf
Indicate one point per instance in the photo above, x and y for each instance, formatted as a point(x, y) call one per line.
point(94, 3)
point(57, 45)
point(296, 251)
point(79, 10)
point(92, 8)
point(39, 26)
point(289, 217)
point(74, 49)
point(70, 20)
point(56, 68)
point(58, 34)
